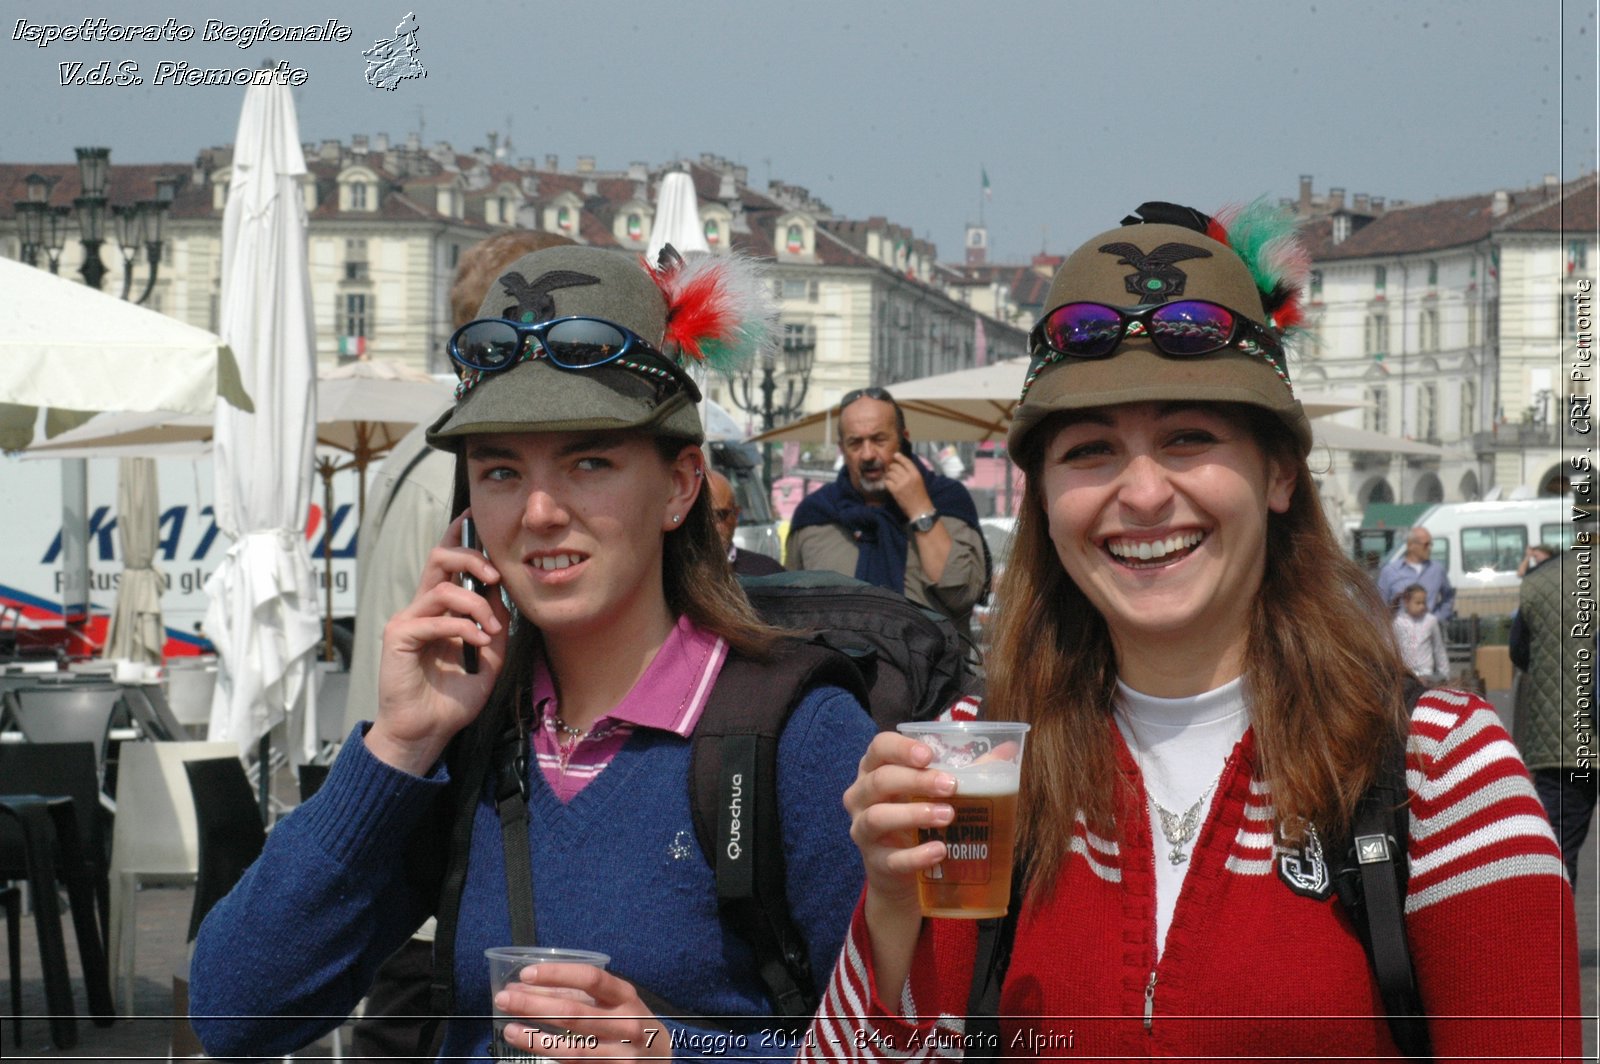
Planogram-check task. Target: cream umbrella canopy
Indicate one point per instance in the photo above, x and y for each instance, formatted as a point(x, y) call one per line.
point(71, 350)
point(263, 616)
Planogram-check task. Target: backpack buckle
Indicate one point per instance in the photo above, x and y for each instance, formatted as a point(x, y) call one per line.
point(1372, 849)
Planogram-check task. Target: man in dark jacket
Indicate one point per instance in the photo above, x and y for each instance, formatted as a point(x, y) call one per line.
point(1553, 641)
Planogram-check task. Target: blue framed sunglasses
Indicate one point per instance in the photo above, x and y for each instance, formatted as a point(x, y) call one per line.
point(490, 345)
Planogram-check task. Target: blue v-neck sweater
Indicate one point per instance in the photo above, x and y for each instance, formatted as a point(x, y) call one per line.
point(618, 869)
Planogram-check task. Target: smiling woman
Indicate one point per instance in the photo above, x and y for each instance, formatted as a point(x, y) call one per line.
point(1212, 688)
point(611, 632)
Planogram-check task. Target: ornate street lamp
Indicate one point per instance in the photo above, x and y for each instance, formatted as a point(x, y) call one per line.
point(94, 172)
point(798, 357)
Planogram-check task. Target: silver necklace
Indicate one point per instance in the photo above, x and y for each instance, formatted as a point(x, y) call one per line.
point(1180, 830)
point(565, 731)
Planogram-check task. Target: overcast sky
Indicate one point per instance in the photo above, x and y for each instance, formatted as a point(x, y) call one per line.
point(1078, 109)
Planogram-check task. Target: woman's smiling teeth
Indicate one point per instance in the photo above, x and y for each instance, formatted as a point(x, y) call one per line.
point(556, 561)
point(1161, 551)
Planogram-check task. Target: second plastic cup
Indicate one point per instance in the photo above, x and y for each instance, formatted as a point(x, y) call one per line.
point(985, 757)
point(505, 965)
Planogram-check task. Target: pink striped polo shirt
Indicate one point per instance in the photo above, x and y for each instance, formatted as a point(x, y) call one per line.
point(670, 696)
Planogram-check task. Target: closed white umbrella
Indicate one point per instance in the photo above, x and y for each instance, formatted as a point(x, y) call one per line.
point(263, 615)
point(136, 632)
point(677, 221)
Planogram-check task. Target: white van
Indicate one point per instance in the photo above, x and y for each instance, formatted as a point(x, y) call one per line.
point(1480, 544)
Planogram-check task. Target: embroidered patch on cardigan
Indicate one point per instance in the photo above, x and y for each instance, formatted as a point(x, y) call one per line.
point(1303, 869)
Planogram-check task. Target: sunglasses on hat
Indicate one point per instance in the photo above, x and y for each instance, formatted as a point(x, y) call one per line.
point(880, 394)
point(490, 345)
point(1185, 328)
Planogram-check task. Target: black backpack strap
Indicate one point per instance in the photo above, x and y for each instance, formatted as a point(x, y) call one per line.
point(733, 780)
point(995, 939)
point(511, 803)
point(467, 759)
point(1372, 884)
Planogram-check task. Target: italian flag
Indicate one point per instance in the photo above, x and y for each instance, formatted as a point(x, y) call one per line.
point(352, 346)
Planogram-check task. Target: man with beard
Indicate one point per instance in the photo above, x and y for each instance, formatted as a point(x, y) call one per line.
point(889, 519)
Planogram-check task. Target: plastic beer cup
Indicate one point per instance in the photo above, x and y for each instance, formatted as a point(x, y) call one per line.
point(985, 757)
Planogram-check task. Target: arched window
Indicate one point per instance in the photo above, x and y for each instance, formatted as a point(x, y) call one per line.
point(794, 240)
point(713, 232)
point(635, 227)
point(564, 219)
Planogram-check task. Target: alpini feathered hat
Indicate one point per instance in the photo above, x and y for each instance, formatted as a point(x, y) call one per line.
point(715, 311)
point(1247, 260)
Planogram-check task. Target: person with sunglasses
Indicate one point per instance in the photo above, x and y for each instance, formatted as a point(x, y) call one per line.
point(1211, 686)
point(609, 619)
point(725, 511)
point(889, 519)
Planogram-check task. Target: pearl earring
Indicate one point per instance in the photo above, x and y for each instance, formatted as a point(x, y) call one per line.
point(676, 518)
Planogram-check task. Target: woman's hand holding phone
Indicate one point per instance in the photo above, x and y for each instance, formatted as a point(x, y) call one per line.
point(428, 689)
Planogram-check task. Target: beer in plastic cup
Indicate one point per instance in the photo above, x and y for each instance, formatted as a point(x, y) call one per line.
point(544, 1044)
point(985, 757)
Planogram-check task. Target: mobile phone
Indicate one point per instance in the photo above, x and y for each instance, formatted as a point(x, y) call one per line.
point(469, 540)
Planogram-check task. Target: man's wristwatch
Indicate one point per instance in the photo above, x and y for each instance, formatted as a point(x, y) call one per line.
point(923, 522)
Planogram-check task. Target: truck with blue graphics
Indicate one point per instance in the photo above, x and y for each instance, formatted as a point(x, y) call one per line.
point(190, 546)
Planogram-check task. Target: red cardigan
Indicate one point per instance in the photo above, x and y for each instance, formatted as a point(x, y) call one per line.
point(1250, 967)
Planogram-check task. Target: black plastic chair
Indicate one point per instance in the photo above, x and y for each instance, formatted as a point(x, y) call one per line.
point(229, 825)
point(67, 846)
point(66, 769)
point(11, 900)
point(312, 777)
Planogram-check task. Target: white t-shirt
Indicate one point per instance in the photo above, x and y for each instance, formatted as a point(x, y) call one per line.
point(1180, 745)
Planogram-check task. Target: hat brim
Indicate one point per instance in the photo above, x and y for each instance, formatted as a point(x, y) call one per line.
point(1137, 373)
point(539, 397)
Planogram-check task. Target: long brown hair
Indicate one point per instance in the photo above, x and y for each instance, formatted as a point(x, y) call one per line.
point(1323, 680)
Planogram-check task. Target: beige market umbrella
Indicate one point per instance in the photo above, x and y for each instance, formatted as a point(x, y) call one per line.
point(966, 405)
point(136, 632)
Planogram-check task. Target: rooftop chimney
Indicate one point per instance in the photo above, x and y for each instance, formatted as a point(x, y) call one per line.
point(413, 142)
point(1501, 203)
point(638, 171)
point(1305, 192)
point(552, 162)
point(329, 152)
point(727, 188)
point(380, 142)
point(1552, 185)
point(586, 164)
point(1336, 199)
point(741, 174)
point(591, 187)
point(1362, 204)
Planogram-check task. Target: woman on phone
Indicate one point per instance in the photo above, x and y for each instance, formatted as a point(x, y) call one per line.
point(608, 619)
point(1210, 684)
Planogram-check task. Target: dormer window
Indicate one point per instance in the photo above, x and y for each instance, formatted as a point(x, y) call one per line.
point(713, 232)
point(635, 226)
point(564, 219)
point(794, 240)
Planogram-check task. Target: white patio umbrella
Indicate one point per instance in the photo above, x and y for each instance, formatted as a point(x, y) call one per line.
point(71, 350)
point(677, 221)
point(263, 615)
point(136, 632)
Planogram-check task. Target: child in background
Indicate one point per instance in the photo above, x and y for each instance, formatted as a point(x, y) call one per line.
point(1421, 641)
